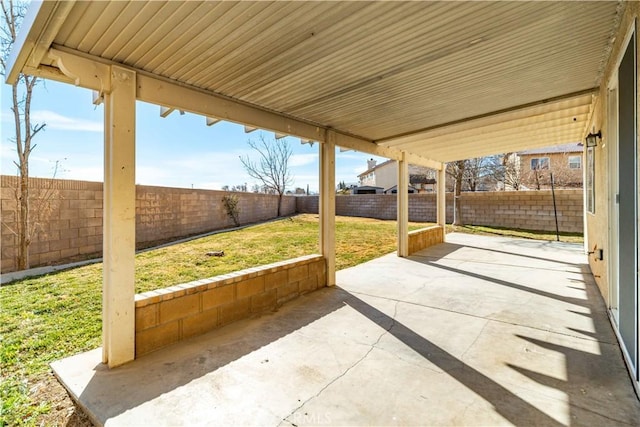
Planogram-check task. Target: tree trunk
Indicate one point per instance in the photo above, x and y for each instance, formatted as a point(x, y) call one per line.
point(24, 240)
point(457, 212)
point(279, 203)
point(456, 205)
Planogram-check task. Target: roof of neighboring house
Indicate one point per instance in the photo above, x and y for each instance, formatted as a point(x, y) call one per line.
point(421, 179)
point(574, 147)
point(395, 188)
point(375, 167)
point(366, 187)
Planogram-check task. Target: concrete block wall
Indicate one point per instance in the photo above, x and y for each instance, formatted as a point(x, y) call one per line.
point(531, 210)
point(169, 315)
point(166, 213)
point(66, 218)
point(68, 223)
point(425, 237)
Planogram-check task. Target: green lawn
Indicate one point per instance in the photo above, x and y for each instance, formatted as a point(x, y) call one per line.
point(53, 316)
point(523, 234)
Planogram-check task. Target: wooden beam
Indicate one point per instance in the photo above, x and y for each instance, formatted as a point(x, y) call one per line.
point(93, 73)
point(402, 197)
point(32, 43)
point(441, 199)
point(165, 111)
point(119, 223)
point(212, 121)
point(328, 206)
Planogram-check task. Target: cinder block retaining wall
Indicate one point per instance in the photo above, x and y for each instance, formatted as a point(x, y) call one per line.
point(69, 223)
point(425, 237)
point(531, 210)
point(166, 316)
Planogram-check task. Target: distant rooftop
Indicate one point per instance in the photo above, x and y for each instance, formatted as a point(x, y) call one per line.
point(573, 147)
point(374, 166)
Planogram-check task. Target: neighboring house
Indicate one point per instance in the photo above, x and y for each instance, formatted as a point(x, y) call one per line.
point(385, 175)
point(564, 161)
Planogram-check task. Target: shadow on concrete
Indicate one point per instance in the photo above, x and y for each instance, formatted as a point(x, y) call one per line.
point(590, 376)
point(563, 298)
point(111, 392)
point(582, 367)
point(538, 258)
point(506, 403)
point(590, 401)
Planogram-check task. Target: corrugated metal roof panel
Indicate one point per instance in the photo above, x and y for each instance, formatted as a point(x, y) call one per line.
point(536, 126)
point(373, 69)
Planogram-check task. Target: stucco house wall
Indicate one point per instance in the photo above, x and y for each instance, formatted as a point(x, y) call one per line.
point(597, 233)
point(564, 175)
point(385, 175)
point(603, 236)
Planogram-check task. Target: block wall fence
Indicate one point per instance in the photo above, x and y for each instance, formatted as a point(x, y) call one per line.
point(532, 210)
point(68, 223)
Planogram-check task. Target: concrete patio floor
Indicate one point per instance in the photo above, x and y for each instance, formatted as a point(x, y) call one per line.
point(477, 331)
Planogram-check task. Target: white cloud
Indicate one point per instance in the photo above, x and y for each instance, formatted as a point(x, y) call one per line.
point(59, 122)
point(302, 159)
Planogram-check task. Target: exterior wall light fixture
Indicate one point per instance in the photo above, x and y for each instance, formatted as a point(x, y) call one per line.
point(592, 139)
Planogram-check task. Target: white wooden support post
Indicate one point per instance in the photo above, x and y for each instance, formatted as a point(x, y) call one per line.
point(328, 205)
point(403, 206)
point(119, 223)
point(441, 200)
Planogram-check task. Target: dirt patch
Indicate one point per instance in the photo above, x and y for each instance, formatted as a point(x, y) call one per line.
point(64, 411)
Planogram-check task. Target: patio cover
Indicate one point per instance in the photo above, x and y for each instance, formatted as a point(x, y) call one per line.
point(416, 82)
point(439, 80)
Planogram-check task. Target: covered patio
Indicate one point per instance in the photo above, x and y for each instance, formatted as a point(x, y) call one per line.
point(475, 331)
point(471, 331)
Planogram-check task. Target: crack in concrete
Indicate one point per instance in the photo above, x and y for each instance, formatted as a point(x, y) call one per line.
point(346, 371)
point(475, 340)
point(489, 318)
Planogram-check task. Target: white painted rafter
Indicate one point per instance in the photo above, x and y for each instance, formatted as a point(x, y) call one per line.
point(165, 111)
point(212, 121)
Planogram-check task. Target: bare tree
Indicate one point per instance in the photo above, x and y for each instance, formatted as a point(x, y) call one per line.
point(512, 174)
point(457, 171)
point(25, 131)
point(272, 167)
point(482, 172)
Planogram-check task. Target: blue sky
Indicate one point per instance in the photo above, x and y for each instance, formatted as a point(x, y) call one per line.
point(177, 151)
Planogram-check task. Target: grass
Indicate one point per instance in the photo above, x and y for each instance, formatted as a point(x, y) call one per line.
point(523, 234)
point(54, 316)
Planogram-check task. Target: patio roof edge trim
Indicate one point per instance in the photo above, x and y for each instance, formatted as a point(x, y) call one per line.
point(38, 30)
